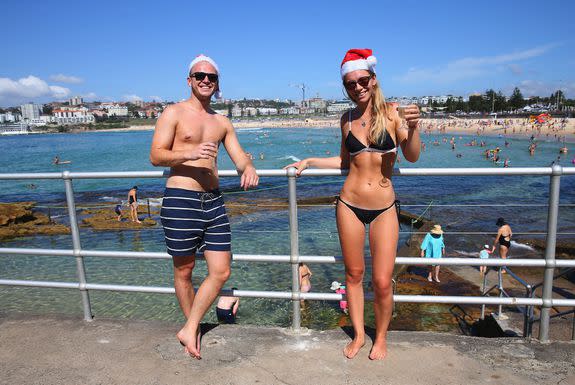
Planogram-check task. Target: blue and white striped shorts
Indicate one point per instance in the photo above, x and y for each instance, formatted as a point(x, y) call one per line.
point(194, 221)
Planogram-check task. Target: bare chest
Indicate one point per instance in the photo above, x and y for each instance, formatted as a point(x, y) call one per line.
point(194, 130)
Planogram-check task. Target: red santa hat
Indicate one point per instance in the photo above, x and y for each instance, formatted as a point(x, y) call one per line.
point(358, 59)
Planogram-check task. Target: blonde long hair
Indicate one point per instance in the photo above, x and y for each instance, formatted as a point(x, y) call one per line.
point(379, 115)
point(379, 112)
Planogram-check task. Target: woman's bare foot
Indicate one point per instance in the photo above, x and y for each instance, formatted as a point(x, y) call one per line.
point(378, 351)
point(437, 280)
point(353, 347)
point(187, 340)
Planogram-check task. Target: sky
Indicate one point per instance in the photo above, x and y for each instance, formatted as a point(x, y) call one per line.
point(128, 51)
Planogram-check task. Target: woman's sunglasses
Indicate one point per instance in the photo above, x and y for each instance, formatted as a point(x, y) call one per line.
point(199, 76)
point(363, 81)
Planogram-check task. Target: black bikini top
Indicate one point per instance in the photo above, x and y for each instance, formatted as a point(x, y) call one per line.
point(355, 146)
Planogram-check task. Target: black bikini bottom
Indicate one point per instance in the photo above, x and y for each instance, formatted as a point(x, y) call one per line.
point(505, 243)
point(367, 216)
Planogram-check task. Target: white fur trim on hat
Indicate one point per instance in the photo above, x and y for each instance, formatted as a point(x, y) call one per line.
point(360, 64)
point(201, 58)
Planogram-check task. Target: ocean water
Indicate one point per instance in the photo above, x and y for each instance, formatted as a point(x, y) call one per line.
point(466, 207)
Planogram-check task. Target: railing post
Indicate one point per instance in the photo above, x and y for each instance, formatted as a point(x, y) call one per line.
point(526, 318)
point(77, 246)
point(483, 291)
point(294, 248)
point(550, 244)
point(500, 285)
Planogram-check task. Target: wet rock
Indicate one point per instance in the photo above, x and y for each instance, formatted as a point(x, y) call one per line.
point(19, 220)
point(107, 220)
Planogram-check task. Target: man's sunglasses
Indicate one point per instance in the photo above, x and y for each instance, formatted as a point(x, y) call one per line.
point(199, 76)
point(363, 81)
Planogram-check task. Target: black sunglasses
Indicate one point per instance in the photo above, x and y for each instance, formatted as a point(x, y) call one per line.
point(199, 76)
point(363, 81)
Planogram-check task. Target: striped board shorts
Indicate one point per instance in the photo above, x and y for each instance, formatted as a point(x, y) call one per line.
point(194, 221)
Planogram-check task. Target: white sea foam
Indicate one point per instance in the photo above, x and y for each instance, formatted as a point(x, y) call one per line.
point(108, 199)
point(521, 246)
point(154, 202)
point(291, 157)
point(249, 129)
point(468, 253)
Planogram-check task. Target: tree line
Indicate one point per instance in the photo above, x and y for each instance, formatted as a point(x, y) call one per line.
point(492, 101)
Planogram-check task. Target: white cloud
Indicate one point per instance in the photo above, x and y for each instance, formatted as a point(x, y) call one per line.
point(28, 89)
point(155, 98)
point(60, 78)
point(132, 98)
point(468, 67)
point(90, 95)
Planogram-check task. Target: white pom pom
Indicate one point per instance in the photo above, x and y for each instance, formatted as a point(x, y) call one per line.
point(371, 61)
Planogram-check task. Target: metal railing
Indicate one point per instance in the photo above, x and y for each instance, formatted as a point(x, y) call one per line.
point(549, 263)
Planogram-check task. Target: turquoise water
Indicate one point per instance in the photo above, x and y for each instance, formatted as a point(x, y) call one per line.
point(262, 232)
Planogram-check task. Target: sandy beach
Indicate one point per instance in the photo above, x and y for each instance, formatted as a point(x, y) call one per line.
point(552, 129)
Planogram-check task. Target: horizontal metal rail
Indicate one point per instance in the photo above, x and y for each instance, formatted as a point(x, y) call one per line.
point(549, 263)
point(302, 258)
point(470, 300)
point(440, 171)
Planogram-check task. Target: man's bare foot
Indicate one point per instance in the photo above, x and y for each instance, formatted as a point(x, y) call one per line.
point(187, 340)
point(353, 347)
point(378, 351)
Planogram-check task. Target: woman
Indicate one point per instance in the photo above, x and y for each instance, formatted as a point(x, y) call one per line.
point(367, 196)
point(133, 203)
point(304, 278)
point(433, 246)
point(503, 238)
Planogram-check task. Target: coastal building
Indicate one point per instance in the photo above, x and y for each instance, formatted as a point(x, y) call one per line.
point(42, 120)
point(14, 129)
point(222, 112)
point(316, 103)
point(9, 117)
point(73, 115)
point(290, 111)
point(250, 111)
point(236, 111)
point(76, 101)
point(339, 106)
point(115, 109)
point(267, 111)
point(30, 111)
point(139, 103)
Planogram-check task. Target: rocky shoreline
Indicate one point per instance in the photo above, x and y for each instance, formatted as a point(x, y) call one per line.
point(20, 220)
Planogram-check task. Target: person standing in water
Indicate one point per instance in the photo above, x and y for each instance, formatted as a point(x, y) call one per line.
point(133, 203)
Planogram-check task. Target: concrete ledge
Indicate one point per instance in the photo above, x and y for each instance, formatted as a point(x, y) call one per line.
point(54, 350)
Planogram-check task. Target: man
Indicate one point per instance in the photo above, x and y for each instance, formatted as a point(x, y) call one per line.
point(186, 139)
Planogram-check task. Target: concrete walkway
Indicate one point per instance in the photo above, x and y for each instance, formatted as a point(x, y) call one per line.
point(70, 351)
